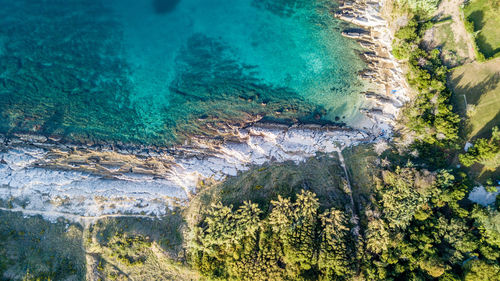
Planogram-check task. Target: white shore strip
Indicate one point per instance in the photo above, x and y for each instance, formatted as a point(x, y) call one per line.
point(27, 183)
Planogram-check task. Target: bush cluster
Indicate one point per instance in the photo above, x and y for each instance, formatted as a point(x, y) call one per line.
point(431, 114)
point(484, 151)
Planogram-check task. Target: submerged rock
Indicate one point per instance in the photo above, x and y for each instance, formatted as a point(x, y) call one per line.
point(165, 6)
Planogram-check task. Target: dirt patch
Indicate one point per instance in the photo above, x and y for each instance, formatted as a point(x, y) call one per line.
point(451, 35)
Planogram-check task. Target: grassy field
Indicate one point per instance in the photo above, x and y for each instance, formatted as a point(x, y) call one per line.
point(479, 83)
point(32, 248)
point(121, 248)
point(137, 249)
point(485, 16)
point(453, 53)
point(453, 49)
point(323, 175)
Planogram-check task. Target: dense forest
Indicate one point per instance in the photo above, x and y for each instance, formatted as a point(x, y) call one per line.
point(417, 224)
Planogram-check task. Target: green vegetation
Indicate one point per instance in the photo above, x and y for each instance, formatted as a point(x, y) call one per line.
point(483, 20)
point(137, 249)
point(480, 270)
point(406, 39)
point(420, 7)
point(453, 53)
point(477, 97)
point(262, 224)
point(35, 249)
point(479, 85)
point(411, 237)
point(400, 213)
point(362, 164)
point(295, 241)
point(322, 174)
point(431, 115)
point(121, 248)
point(415, 226)
point(405, 222)
point(484, 151)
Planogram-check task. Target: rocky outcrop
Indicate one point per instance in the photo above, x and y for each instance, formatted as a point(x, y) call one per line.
point(389, 90)
point(39, 174)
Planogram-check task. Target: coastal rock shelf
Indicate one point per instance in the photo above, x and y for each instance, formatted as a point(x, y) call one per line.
point(54, 178)
point(389, 90)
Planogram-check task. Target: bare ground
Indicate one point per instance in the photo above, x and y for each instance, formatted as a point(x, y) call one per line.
point(463, 45)
point(452, 8)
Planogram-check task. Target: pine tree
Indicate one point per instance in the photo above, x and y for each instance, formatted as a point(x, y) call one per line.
point(336, 246)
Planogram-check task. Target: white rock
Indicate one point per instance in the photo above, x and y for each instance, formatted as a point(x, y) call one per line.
point(81, 193)
point(481, 196)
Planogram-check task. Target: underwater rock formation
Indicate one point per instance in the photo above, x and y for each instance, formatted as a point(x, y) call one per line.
point(165, 6)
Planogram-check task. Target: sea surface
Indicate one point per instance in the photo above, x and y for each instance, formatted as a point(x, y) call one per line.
point(160, 71)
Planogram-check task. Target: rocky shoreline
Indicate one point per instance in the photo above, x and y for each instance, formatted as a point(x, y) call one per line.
point(388, 90)
point(39, 173)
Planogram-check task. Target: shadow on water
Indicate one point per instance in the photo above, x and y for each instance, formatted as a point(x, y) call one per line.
point(165, 6)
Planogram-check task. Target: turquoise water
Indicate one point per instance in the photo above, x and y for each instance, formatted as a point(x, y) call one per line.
point(159, 71)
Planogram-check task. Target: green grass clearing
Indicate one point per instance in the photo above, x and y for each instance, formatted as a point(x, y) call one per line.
point(479, 83)
point(452, 53)
point(121, 248)
point(322, 175)
point(485, 16)
point(137, 249)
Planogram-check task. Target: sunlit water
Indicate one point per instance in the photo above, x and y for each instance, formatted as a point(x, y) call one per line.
point(159, 71)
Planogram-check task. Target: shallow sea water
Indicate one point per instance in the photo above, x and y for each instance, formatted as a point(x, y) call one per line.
point(159, 71)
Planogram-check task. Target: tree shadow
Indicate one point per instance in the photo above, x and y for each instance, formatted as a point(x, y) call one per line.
point(165, 6)
point(485, 47)
point(477, 18)
point(103, 262)
point(473, 93)
point(485, 131)
point(476, 89)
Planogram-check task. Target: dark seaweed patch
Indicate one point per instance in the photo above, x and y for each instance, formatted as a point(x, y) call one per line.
point(165, 6)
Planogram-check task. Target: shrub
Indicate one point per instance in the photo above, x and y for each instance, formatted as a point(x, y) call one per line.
point(484, 151)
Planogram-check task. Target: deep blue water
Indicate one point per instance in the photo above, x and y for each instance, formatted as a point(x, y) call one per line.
point(158, 71)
